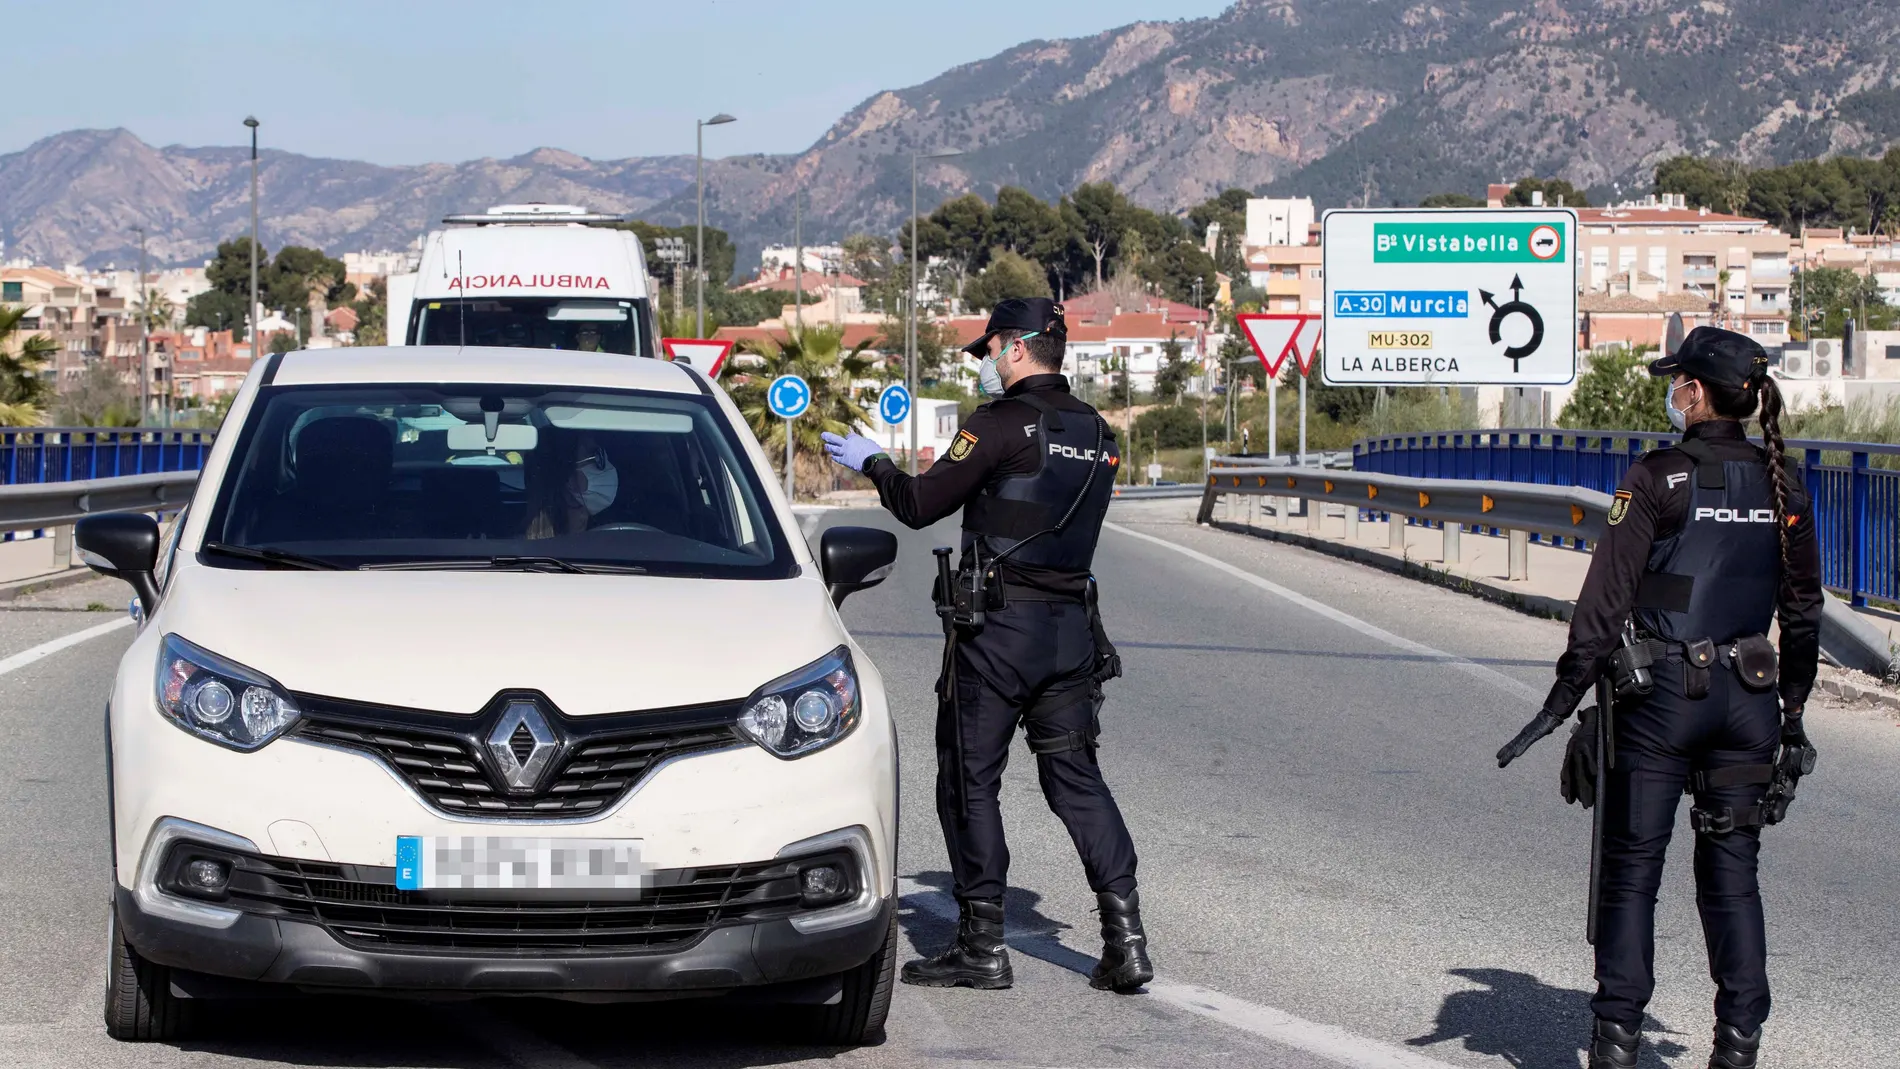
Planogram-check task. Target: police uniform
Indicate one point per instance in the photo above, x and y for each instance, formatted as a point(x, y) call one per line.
point(1033, 472)
point(1692, 555)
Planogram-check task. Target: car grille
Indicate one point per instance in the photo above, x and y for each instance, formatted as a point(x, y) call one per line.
point(361, 907)
point(439, 754)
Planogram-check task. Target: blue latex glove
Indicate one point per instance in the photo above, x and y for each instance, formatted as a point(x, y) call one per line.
point(853, 452)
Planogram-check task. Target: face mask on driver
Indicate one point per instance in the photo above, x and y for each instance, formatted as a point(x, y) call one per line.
point(1678, 418)
point(603, 483)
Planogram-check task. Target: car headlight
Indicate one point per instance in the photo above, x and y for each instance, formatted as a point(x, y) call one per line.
point(221, 700)
point(806, 710)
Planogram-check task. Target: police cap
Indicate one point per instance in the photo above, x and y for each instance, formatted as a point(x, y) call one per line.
point(1714, 355)
point(1027, 314)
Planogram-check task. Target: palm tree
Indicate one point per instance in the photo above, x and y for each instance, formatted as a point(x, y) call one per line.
point(817, 355)
point(22, 389)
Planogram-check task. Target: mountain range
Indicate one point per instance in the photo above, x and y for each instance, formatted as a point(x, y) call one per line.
point(1348, 101)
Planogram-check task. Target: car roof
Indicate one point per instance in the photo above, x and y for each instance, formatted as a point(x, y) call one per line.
point(450, 363)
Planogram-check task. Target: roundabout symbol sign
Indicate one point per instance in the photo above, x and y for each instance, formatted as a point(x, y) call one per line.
point(1515, 306)
point(893, 404)
point(788, 396)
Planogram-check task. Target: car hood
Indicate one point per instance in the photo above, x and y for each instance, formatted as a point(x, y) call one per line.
point(450, 640)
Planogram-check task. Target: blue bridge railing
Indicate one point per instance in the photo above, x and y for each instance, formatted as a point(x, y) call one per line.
point(62, 454)
point(1856, 504)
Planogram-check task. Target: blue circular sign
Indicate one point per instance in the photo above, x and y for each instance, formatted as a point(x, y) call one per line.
point(893, 405)
point(788, 396)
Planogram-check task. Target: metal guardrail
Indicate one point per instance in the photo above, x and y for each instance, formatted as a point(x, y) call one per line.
point(1856, 504)
point(69, 454)
point(37, 506)
point(1518, 508)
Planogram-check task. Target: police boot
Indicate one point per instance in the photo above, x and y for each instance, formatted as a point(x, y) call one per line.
point(1734, 1048)
point(1612, 1046)
point(1124, 965)
point(977, 959)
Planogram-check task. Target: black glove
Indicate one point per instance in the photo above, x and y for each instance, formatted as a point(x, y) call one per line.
point(1540, 726)
point(1578, 780)
point(1797, 753)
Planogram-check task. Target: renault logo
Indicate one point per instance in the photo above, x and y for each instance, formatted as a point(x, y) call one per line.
point(522, 746)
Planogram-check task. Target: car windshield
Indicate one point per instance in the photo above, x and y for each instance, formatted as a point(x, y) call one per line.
point(574, 323)
point(500, 476)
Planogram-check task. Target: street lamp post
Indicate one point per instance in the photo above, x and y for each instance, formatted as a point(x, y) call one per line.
point(251, 315)
point(910, 342)
point(145, 360)
point(699, 180)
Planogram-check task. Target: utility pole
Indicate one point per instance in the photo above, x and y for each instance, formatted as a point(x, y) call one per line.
point(251, 315)
point(910, 343)
point(699, 181)
point(145, 356)
point(798, 269)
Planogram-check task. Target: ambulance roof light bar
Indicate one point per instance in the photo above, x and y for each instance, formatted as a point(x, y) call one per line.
point(535, 212)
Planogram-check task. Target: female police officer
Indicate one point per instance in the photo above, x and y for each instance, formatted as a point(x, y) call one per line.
point(1706, 542)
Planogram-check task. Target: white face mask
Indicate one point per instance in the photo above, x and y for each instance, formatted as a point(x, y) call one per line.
point(989, 377)
point(1677, 417)
point(603, 483)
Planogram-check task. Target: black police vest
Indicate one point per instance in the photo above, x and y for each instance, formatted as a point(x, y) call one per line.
point(1717, 577)
point(1025, 509)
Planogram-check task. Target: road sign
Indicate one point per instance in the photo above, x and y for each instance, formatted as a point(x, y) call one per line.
point(1278, 336)
point(788, 396)
point(893, 404)
point(1482, 296)
point(705, 355)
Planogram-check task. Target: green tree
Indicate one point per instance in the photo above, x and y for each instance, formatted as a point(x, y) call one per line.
point(1028, 226)
point(1553, 189)
point(1229, 209)
point(1823, 299)
point(964, 224)
point(1172, 377)
point(1617, 393)
point(100, 397)
point(1008, 275)
point(24, 390)
point(297, 273)
point(1097, 215)
point(372, 314)
point(817, 356)
point(1451, 200)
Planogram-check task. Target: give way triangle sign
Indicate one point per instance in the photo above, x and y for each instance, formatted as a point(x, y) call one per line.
point(1278, 336)
point(705, 355)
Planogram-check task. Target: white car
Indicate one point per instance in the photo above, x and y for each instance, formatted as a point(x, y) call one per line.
point(495, 671)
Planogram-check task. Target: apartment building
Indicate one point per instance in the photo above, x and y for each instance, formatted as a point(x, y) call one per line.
point(1738, 264)
point(1290, 275)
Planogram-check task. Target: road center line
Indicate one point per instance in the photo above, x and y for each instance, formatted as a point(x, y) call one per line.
point(1510, 686)
point(47, 649)
point(1321, 1040)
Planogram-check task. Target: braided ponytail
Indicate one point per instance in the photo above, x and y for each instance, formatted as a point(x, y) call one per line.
point(1779, 479)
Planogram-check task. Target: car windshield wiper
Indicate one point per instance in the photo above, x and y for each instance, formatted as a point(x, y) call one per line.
point(508, 564)
point(282, 557)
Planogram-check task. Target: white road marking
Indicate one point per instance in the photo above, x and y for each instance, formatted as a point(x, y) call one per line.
point(1489, 675)
point(1321, 1040)
point(47, 649)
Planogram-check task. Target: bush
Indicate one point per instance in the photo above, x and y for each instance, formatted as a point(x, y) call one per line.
point(1177, 427)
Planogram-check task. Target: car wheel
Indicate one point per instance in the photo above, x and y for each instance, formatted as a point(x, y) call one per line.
point(140, 1005)
point(858, 1017)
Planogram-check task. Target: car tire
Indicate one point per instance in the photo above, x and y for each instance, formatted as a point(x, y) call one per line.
point(858, 1017)
point(140, 1006)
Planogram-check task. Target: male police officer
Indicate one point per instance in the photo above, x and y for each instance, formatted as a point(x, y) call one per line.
point(1033, 471)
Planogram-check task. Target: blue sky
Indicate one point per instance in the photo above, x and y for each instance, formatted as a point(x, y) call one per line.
point(410, 82)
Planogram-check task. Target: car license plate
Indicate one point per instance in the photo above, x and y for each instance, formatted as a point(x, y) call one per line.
point(500, 862)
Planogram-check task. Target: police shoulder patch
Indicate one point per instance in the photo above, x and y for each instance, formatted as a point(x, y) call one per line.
point(961, 447)
point(1619, 506)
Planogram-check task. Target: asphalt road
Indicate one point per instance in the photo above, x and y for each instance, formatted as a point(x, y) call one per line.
point(1334, 872)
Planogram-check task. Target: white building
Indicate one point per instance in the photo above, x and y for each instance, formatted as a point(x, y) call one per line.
point(1279, 220)
point(819, 258)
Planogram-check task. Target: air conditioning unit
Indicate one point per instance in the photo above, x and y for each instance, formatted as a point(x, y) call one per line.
point(1794, 363)
point(1826, 363)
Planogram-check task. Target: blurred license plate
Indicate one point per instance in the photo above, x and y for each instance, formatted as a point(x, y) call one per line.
point(500, 862)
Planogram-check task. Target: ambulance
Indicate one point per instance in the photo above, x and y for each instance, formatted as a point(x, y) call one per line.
point(528, 276)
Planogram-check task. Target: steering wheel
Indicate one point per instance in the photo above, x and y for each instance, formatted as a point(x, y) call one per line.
point(626, 525)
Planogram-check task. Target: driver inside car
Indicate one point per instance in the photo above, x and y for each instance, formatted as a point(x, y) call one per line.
point(570, 487)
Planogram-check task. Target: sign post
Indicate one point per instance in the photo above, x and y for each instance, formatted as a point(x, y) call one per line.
point(893, 407)
point(788, 396)
point(1449, 297)
point(1276, 337)
point(704, 354)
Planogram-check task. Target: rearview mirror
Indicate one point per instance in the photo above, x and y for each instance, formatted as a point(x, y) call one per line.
point(123, 545)
point(509, 438)
point(855, 558)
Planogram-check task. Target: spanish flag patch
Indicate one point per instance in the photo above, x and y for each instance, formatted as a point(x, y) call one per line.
point(961, 447)
point(1619, 507)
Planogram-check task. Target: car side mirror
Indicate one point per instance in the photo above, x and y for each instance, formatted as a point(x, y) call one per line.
point(123, 545)
point(855, 558)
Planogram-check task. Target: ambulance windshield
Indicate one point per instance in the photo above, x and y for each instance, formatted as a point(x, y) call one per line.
point(577, 324)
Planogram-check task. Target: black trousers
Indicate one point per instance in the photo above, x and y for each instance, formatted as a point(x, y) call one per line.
point(1031, 657)
point(1658, 743)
